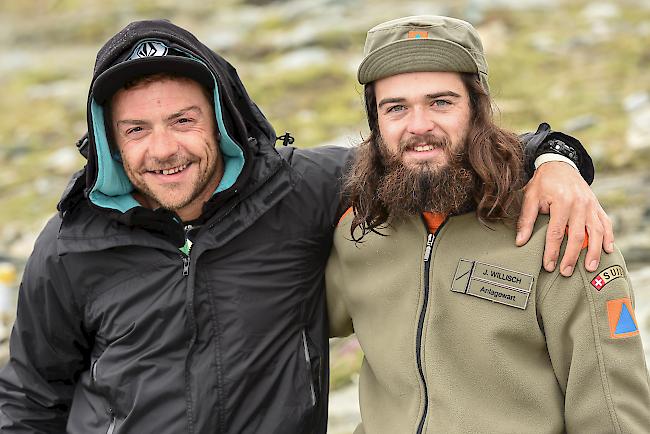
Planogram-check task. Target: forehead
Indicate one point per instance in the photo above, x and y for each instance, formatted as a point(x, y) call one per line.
point(177, 91)
point(418, 84)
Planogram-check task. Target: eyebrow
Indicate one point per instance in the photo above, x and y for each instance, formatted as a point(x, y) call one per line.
point(182, 111)
point(174, 115)
point(436, 95)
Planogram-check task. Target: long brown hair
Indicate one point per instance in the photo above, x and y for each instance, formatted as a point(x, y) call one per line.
point(494, 154)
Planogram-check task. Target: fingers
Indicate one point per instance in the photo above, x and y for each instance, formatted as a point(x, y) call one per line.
point(608, 228)
point(596, 235)
point(575, 211)
point(526, 221)
point(601, 234)
point(554, 235)
point(575, 238)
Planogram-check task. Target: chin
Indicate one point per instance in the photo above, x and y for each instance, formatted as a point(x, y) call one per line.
point(422, 165)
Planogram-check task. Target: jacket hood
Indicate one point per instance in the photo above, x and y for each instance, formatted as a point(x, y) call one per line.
point(242, 126)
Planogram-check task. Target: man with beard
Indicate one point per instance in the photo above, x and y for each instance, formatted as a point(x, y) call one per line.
point(461, 331)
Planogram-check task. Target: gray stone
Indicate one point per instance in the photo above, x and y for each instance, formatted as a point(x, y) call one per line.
point(62, 89)
point(303, 58)
point(580, 123)
point(601, 11)
point(636, 101)
point(638, 130)
point(64, 160)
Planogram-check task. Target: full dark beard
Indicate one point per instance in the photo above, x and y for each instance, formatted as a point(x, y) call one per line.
point(410, 190)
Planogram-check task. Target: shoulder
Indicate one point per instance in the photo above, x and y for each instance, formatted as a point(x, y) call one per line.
point(321, 170)
point(327, 159)
point(45, 245)
point(44, 266)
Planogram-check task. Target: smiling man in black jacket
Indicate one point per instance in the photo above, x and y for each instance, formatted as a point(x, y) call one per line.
point(180, 286)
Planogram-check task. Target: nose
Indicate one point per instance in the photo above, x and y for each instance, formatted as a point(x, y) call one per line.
point(163, 144)
point(420, 121)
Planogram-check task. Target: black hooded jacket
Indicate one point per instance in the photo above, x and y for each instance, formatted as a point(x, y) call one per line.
point(119, 331)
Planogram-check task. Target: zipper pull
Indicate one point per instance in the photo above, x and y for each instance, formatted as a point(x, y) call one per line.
point(111, 426)
point(427, 251)
point(186, 265)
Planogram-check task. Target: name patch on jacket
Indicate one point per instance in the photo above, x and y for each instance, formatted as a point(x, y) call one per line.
point(606, 276)
point(494, 283)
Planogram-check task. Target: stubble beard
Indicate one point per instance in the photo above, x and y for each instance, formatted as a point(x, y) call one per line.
point(408, 190)
point(167, 196)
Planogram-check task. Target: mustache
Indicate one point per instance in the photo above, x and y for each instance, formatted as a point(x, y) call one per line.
point(424, 139)
point(175, 160)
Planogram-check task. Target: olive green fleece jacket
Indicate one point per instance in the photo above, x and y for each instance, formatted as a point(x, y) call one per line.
point(471, 335)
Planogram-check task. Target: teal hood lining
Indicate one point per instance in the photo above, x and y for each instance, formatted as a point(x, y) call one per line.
point(113, 189)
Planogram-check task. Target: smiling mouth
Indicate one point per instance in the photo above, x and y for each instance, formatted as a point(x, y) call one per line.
point(422, 148)
point(170, 171)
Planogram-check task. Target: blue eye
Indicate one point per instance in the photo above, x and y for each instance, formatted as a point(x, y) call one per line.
point(441, 102)
point(396, 108)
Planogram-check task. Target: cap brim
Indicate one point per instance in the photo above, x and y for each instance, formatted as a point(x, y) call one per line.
point(415, 55)
point(115, 77)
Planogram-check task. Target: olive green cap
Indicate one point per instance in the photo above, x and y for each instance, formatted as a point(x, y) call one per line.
point(420, 44)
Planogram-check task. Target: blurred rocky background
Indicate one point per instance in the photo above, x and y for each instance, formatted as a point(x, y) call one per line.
point(583, 66)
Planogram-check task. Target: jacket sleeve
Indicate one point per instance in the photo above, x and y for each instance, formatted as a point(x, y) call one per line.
point(532, 141)
point(323, 168)
point(595, 348)
point(47, 348)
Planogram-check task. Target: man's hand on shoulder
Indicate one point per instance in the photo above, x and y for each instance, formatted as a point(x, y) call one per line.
point(558, 189)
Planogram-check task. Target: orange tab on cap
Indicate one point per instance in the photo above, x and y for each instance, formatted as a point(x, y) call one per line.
point(417, 34)
point(622, 323)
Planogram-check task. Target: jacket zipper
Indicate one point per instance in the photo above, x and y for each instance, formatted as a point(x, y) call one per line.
point(186, 265)
point(308, 359)
point(110, 411)
point(111, 426)
point(93, 371)
point(185, 252)
point(418, 340)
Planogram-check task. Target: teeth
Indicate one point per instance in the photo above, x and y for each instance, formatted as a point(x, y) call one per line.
point(172, 170)
point(423, 148)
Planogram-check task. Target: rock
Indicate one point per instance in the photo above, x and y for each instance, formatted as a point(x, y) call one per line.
point(638, 130)
point(344, 413)
point(636, 101)
point(61, 89)
point(580, 123)
point(600, 16)
point(495, 37)
point(303, 58)
point(600, 11)
point(64, 161)
point(221, 40)
point(22, 246)
point(299, 36)
point(543, 42)
point(15, 60)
